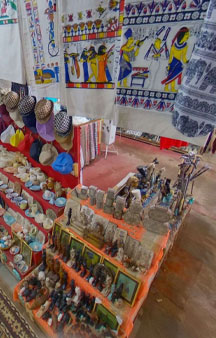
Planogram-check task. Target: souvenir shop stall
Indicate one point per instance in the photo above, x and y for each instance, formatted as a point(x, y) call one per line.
point(105, 250)
point(84, 259)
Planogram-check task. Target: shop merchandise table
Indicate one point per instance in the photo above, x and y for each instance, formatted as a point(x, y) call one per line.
point(126, 314)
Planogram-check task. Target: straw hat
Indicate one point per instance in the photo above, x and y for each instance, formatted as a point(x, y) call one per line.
point(27, 105)
point(48, 154)
point(11, 101)
point(43, 110)
point(63, 130)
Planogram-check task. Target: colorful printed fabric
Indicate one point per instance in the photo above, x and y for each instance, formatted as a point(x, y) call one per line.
point(11, 67)
point(195, 105)
point(91, 40)
point(41, 46)
point(158, 38)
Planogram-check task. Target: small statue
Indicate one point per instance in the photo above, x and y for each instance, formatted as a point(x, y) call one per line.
point(92, 194)
point(100, 199)
point(50, 183)
point(107, 288)
point(76, 298)
point(91, 269)
point(69, 217)
point(58, 189)
point(84, 269)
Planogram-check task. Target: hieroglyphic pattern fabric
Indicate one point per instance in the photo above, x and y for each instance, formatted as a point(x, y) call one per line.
point(157, 42)
point(91, 36)
point(41, 44)
point(195, 105)
point(11, 57)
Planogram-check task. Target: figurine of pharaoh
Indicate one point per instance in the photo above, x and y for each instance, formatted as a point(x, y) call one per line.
point(72, 258)
point(76, 298)
point(108, 283)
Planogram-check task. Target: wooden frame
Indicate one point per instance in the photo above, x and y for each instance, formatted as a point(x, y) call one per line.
point(26, 252)
point(107, 316)
point(91, 256)
point(17, 240)
point(131, 287)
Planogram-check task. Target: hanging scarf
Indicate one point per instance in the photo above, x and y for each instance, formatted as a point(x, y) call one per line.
point(91, 33)
point(195, 105)
point(11, 56)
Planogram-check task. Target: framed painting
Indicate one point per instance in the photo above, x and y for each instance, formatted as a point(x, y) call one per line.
point(65, 238)
point(76, 244)
point(57, 229)
point(17, 240)
point(107, 317)
point(26, 252)
point(91, 257)
point(113, 268)
point(130, 287)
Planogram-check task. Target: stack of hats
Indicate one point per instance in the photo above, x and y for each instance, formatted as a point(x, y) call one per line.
point(45, 119)
point(26, 108)
point(11, 101)
point(63, 129)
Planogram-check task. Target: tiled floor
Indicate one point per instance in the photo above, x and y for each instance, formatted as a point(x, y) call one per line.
point(182, 300)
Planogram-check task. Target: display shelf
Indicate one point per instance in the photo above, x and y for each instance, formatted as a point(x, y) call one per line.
point(101, 252)
point(14, 207)
point(36, 195)
point(10, 261)
point(151, 142)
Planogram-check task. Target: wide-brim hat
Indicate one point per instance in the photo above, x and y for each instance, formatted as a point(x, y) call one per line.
point(11, 101)
point(16, 117)
point(48, 154)
point(30, 121)
point(66, 142)
point(46, 130)
point(63, 124)
point(27, 105)
point(43, 110)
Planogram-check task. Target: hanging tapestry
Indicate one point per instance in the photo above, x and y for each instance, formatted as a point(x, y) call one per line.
point(195, 105)
point(158, 38)
point(41, 46)
point(91, 43)
point(11, 68)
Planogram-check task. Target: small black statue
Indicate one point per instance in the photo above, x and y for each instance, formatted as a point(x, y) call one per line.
point(91, 269)
point(69, 217)
point(84, 269)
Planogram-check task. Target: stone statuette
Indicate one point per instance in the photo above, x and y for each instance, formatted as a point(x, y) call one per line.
point(100, 199)
point(92, 194)
point(119, 207)
point(110, 197)
point(134, 214)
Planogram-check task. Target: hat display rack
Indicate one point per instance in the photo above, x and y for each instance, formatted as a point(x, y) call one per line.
point(37, 121)
point(27, 131)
